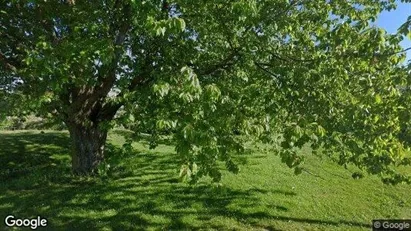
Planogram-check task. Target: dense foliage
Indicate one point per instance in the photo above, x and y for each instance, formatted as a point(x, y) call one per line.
point(215, 74)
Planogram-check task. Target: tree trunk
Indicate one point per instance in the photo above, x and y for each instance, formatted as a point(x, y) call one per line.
point(87, 148)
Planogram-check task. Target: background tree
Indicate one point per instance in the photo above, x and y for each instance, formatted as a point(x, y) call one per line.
point(217, 74)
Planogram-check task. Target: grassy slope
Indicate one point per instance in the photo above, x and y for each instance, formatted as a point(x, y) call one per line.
point(143, 192)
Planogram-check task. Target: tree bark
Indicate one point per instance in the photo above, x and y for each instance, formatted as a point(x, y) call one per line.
point(87, 148)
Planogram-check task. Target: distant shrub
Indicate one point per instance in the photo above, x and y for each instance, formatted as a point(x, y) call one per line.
point(12, 123)
point(30, 123)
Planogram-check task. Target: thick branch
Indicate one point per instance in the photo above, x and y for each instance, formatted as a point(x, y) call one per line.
point(223, 64)
point(89, 98)
point(110, 109)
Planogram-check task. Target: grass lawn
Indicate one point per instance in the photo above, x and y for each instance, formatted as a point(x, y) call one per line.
point(143, 192)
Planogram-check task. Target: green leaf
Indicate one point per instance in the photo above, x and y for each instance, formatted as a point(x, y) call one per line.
point(182, 24)
point(378, 99)
point(161, 31)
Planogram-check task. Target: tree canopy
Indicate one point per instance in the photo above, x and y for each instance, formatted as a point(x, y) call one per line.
point(215, 75)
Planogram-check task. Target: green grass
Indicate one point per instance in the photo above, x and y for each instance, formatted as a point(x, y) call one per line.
point(143, 192)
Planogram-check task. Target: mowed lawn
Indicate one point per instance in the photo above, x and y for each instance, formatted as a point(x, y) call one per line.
point(142, 192)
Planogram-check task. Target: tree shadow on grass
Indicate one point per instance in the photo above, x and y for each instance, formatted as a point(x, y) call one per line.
point(27, 152)
point(142, 192)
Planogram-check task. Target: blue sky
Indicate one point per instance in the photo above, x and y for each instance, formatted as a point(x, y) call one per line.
point(390, 21)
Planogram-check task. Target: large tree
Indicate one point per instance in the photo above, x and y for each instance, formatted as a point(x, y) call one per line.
point(215, 74)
